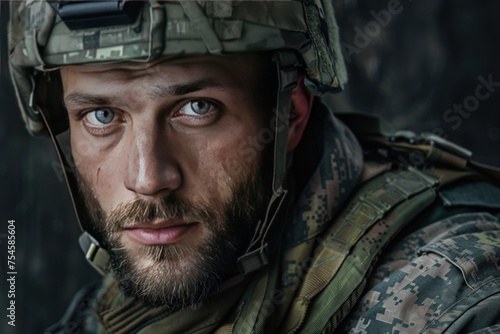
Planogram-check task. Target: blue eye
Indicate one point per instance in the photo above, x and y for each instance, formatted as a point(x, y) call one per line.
point(104, 116)
point(197, 108)
point(200, 107)
point(100, 117)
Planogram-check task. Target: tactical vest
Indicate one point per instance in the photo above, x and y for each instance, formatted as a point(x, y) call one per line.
point(335, 274)
point(393, 199)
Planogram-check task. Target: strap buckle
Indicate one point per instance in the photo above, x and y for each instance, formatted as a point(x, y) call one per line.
point(428, 138)
point(94, 14)
point(94, 253)
point(254, 260)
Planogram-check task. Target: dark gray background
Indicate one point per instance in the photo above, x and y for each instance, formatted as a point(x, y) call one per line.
point(427, 58)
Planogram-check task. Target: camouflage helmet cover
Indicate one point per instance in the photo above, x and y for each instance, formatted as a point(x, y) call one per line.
point(40, 40)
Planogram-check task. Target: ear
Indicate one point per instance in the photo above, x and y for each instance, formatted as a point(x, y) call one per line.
point(302, 100)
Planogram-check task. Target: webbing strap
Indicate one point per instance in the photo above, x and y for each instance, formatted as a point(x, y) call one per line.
point(436, 150)
point(94, 254)
point(199, 19)
point(287, 64)
point(180, 29)
point(493, 172)
point(256, 254)
point(370, 205)
point(350, 280)
point(442, 157)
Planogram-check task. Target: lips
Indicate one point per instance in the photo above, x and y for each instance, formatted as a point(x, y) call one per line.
point(160, 233)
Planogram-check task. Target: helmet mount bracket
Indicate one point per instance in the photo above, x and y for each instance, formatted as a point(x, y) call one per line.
point(95, 14)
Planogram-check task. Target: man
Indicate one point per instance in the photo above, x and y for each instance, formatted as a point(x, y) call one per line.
point(217, 193)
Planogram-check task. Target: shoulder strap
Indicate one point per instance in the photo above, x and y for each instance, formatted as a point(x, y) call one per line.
point(350, 246)
point(449, 160)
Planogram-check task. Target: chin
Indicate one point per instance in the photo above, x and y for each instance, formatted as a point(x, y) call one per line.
point(175, 275)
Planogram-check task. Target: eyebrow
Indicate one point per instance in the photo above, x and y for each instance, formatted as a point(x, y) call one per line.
point(162, 91)
point(76, 99)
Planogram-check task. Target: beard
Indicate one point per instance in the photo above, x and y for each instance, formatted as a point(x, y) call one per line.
point(184, 274)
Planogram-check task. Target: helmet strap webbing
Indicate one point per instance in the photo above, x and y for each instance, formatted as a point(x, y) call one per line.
point(94, 253)
point(257, 254)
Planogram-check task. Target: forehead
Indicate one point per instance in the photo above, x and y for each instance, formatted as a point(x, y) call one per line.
point(243, 67)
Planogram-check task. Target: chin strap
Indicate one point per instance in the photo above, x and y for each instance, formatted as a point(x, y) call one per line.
point(257, 254)
point(94, 253)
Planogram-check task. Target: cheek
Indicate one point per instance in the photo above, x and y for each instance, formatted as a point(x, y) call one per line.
point(99, 168)
point(87, 151)
point(225, 162)
point(83, 154)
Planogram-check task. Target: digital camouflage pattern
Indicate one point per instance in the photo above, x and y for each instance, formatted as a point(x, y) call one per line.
point(40, 40)
point(442, 278)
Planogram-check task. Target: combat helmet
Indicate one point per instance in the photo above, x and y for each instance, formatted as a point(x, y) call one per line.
point(45, 35)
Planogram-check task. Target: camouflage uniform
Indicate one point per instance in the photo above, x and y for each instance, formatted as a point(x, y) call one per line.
point(441, 278)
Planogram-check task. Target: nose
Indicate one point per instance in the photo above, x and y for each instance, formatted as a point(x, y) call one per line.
point(152, 168)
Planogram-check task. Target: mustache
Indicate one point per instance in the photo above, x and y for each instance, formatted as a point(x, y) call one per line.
point(141, 211)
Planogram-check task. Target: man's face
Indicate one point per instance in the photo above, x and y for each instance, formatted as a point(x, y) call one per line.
point(163, 162)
